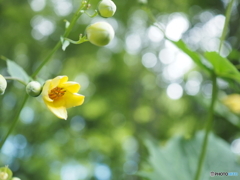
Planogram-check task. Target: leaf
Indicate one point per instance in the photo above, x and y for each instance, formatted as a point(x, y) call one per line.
point(67, 23)
point(17, 71)
point(222, 66)
point(193, 55)
point(65, 43)
point(179, 159)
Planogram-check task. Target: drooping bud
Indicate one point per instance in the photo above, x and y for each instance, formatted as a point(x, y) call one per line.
point(3, 84)
point(106, 8)
point(100, 33)
point(5, 173)
point(34, 88)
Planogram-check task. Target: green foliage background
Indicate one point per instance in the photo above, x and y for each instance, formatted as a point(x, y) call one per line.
point(124, 100)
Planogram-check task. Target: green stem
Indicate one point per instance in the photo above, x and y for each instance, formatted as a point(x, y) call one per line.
point(16, 79)
point(15, 119)
point(78, 13)
point(228, 15)
point(214, 97)
point(207, 128)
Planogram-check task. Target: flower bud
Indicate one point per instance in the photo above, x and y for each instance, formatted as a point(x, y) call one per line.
point(15, 178)
point(3, 84)
point(100, 33)
point(106, 8)
point(5, 173)
point(34, 88)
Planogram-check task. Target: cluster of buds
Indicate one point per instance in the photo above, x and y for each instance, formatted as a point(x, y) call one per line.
point(101, 33)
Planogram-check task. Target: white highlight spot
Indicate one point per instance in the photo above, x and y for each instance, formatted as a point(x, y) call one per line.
point(62, 7)
point(174, 91)
point(154, 34)
point(149, 60)
point(37, 5)
point(102, 172)
point(235, 146)
point(133, 43)
point(176, 27)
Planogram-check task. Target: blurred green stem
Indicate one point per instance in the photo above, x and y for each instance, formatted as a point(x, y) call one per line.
point(16, 79)
point(15, 119)
point(208, 127)
point(214, 97)
point(228, 14)
point(79, 12)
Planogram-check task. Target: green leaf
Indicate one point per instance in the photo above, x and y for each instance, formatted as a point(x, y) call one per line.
point(65, 43)
point(179, 158)
point(193, 55)
point(222, 66)
point(17, 71)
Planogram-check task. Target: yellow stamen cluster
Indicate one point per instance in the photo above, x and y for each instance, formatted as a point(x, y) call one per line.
point(56, 93)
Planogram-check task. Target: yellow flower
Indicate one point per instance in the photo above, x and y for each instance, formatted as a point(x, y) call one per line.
point(58, 94)
point(233, 102)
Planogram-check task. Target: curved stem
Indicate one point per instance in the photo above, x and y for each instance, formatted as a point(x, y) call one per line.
point(16, 79)
point(15, 119)
point(208, 127)
point(79, 12)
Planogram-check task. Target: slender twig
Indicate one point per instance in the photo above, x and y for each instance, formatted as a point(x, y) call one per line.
point(208, 127)
point(214, 97)
point(78, 13)
point(16, 79)
point(228, 15)
point(15, 119)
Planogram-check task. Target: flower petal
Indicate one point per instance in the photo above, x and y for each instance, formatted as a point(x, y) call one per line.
point(72, 100)
point(59, 111)
point(71, 86)
point(58, 81)
point(45, 91)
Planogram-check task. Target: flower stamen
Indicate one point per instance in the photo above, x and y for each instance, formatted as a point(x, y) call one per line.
point(56, 93)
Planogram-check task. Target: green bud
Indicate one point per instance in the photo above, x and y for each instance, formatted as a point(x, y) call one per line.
point(15, 178)
point(34, 88)
point(106, 8)
point(5, 173)
point(100, 33)
point(3, 84)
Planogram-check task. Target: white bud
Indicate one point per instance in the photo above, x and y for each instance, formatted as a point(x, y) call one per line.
point(34, 88)
point(3, 84)
point(100, 33)
point(3, 176)
point(15, 178)
point(106, 8)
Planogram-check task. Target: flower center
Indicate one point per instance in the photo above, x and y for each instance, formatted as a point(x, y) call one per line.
point(56, 93)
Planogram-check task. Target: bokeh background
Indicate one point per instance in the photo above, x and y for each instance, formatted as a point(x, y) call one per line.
point(139, 85)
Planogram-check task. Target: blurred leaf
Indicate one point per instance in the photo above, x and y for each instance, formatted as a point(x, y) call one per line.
point(178, 160)
point(65, 43)
point(17, 71)
point(222, 66)
point(234, 54)
point(195, 56)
